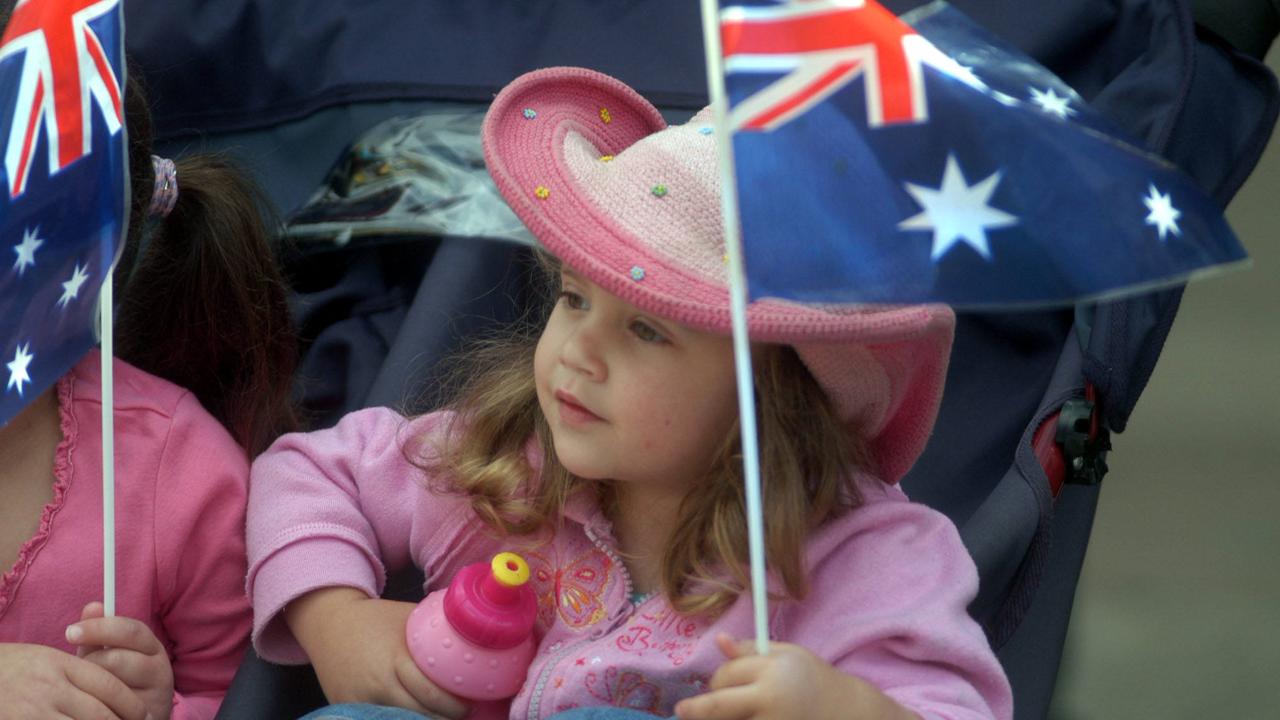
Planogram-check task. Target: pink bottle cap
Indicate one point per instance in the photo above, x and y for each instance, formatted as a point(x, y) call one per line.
point(492, 607)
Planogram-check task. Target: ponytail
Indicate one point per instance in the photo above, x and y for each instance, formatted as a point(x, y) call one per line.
point(202, 301)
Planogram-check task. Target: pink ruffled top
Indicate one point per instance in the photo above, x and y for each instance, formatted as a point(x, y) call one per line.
point(181, 488)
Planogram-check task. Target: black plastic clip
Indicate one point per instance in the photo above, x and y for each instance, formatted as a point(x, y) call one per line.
point(1084, 442)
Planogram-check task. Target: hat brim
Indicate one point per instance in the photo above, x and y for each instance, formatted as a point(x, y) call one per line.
point(525, 152)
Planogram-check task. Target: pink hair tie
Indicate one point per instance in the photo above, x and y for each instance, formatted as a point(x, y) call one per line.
point(165, 193)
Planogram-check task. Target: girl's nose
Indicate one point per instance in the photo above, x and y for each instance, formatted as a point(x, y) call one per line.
point(582, 352)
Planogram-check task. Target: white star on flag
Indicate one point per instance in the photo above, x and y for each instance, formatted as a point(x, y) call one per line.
point(966, 74)
point(18, 368)
point(957, 211)
point(71, 288)
point(1051, 103)
point(27, 250)
point(1163, 214)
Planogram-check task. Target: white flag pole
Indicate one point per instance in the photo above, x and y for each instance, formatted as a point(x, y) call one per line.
point(108, 448)
point(738, 311)
point(106, 330)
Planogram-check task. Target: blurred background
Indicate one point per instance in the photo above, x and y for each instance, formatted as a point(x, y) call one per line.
point(1177, 614)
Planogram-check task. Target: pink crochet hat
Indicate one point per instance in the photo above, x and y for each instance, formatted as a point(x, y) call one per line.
point(602, 182)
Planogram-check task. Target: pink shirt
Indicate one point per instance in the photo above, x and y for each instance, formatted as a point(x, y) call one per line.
point(890, 582)
point(181, 487)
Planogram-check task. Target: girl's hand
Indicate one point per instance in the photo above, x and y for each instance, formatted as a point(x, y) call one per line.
point(127, 649)
point(41, 682)
point(356, 645)
point(789, 682)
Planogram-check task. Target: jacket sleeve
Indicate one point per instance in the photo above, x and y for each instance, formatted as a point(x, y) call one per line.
point(200, 498)
point(890, 586)
point(336, 507)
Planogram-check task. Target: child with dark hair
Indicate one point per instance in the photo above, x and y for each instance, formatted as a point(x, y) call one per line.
point(205, 355)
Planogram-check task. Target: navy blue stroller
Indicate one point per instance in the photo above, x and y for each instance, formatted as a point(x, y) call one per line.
point(1021, 440)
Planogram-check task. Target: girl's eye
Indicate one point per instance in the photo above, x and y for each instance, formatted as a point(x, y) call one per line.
point(646, 332)
point(573, 300)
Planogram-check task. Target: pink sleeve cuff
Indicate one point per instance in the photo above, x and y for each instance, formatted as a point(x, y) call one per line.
point(296, 569)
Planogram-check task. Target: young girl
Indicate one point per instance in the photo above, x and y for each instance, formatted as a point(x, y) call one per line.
point(201, 306)
point(605, 448)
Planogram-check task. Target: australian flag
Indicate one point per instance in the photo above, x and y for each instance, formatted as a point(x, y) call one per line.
point(63, 185)
point(921, 159)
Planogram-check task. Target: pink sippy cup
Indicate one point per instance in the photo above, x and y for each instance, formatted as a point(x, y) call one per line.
point(474, 639)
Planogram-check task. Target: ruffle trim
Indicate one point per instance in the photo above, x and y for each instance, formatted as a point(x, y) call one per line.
point(62, 468)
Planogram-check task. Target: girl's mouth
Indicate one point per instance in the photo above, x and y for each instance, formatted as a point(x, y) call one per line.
point(573, 412)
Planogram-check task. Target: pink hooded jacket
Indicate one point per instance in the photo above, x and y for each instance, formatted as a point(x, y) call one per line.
point(890, 582)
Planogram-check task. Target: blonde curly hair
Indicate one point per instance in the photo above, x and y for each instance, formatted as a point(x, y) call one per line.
point(808, 459)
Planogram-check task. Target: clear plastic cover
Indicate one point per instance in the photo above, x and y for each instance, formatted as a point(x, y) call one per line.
point(422, 175)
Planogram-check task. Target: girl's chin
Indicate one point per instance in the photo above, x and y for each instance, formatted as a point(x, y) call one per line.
point(587, 461)
point(585, 472)
point(586, 468)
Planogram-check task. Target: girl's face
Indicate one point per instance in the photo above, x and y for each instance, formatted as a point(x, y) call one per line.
point(631, 397)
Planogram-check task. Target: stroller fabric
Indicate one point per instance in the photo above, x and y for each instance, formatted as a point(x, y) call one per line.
point(288, 86)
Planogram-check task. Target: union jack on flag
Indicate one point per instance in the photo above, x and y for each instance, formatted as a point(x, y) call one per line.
point(921, 159)
point(821, 47)
point(65, 180)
